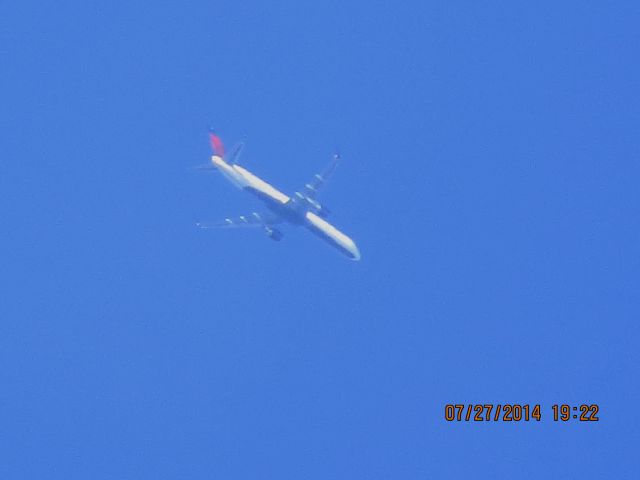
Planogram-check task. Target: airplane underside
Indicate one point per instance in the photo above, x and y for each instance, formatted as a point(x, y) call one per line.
point(302, 208)
point(295, 213)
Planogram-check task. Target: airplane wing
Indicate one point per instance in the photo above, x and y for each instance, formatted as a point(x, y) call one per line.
point(254, 219)
point(319, 180)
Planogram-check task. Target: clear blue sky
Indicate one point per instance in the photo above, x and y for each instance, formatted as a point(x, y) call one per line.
point(490, 177)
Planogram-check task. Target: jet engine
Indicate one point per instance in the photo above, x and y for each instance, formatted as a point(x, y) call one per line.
point(323, 212)
point(317, 207)
point(273, 233)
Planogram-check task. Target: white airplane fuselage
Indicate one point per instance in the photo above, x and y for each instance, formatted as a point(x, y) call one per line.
point(295, 209)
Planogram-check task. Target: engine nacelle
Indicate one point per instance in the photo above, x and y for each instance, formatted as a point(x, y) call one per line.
point(318, 208)
point(273, 233)
point(323, 212)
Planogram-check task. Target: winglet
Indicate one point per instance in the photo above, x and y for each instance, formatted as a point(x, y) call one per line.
point(216, 144)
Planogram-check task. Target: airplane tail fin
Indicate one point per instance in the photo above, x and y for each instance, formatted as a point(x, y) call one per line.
point(217, 147)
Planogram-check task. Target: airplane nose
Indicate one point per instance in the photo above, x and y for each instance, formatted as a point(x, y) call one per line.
point(355, 253)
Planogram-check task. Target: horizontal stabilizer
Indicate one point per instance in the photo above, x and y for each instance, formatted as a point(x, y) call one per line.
point(205, 167)
point(235, 153)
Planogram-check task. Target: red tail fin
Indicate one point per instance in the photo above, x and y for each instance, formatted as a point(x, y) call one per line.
point(216, 144)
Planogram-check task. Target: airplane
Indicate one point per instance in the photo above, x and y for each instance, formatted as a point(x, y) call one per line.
point(300, 209)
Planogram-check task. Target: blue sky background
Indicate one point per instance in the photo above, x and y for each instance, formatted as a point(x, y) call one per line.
point(490, 177)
